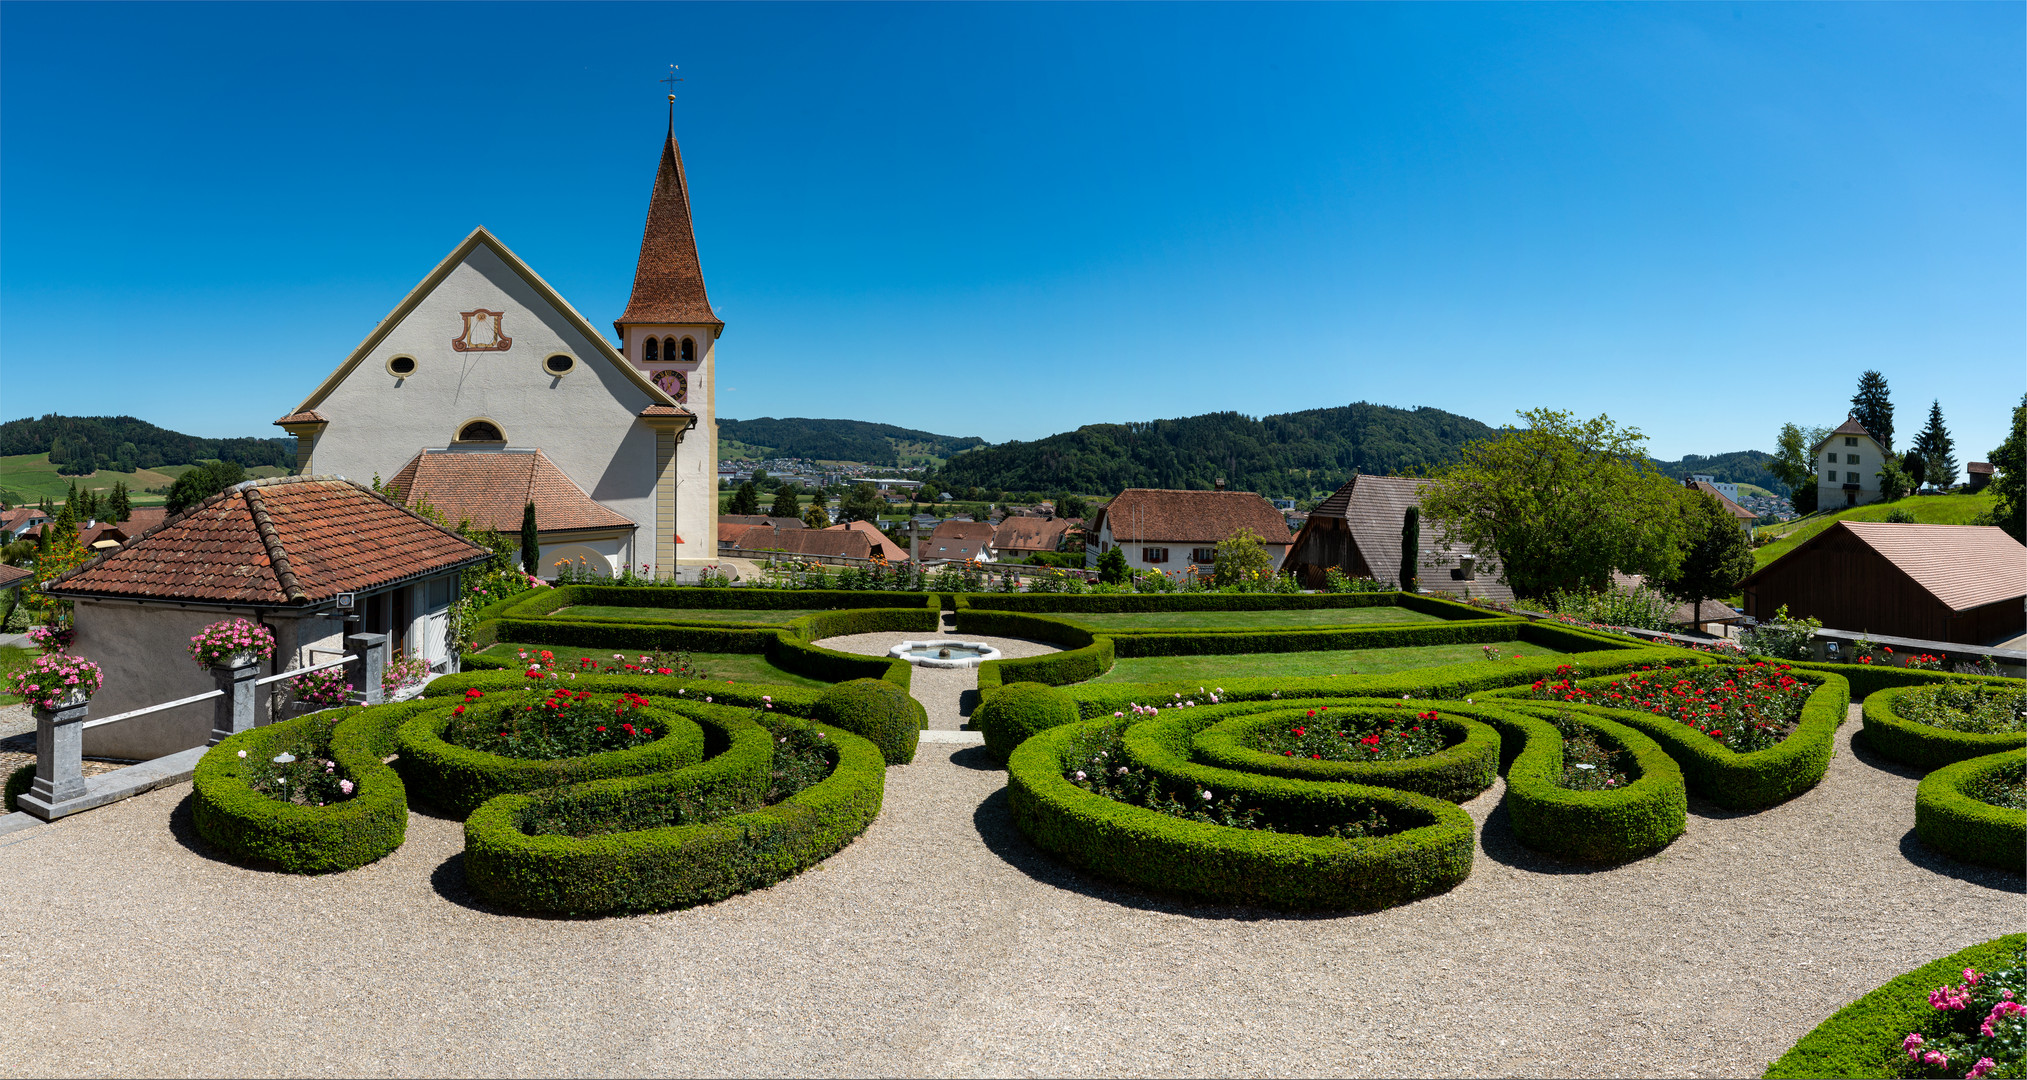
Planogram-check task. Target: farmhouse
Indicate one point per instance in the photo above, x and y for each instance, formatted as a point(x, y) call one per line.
point(314, 558)
point(1847, 466)
point(1160, 529)
point(955, 539)
point(1020, 537)
point(1956, 583)
point(1357, 530)
point(485, 359)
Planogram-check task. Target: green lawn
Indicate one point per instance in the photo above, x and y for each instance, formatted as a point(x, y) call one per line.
point(25, 478)
point(1210, 669)
point(1929, 509)
point(773, 617)
point(1312, 619)
point(736, 667)
point(12, 659)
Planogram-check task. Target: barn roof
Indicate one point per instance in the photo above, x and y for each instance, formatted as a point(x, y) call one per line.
point(1964, 566)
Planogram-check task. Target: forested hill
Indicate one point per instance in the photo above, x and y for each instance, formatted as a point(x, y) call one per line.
point(1292, 455)
point(123, 444)
point(1737, 467)
point(837, 440)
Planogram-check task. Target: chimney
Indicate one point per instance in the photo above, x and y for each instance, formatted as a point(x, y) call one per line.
point(1218, 484)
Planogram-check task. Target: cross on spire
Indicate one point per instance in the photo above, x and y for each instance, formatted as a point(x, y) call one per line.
point(671, 79)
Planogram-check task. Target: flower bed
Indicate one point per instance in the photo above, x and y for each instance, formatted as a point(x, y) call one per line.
point(1902, 722)
point(707, 831)
point(1746, 708)
point(1638, 806)
point(1869, 1037)
point(1393, 745)
point(1952, 814)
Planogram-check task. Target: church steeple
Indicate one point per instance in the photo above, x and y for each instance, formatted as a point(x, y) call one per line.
point(668, 282)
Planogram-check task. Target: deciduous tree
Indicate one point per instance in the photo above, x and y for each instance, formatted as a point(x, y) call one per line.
point(1242, 559)
point(1794, 460)
point(2009, 477)
point(1716, 553)
point(1561, 503)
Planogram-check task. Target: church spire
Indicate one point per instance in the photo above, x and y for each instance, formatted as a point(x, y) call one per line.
point(668, 282)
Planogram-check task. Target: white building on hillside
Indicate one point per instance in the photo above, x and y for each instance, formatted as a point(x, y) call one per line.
point(1847, 467)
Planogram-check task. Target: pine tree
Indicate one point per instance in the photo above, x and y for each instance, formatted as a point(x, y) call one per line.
point(120, 507)
point(786, 505)
point(1937, 449)
point(746, 500)
point(1873, 408)
point(1411, 549)
point(531, 542)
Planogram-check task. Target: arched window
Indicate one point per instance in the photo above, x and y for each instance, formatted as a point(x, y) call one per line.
point(689, 349)
point(652, 352)
point(480, 431)
point(669, 349)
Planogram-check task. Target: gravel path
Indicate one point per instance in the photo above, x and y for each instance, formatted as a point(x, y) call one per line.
point(941, 944)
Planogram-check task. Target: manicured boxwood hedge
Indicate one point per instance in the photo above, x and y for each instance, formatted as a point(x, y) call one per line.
point(1241, 866)
point(1013, 714)
point(877, 711)
point(1448, 681)
point(18, 783)
point(1954, 823)
point(547, 601)
point(1120, 603)
point(246, 824)
point(1638, 819)
point(1867, 679)
point(1863, 1038)
point(792, 700)
point(683, 864)
point(1459, 772)
point(1924, 746)
point(1732, 780)
point(458, 781)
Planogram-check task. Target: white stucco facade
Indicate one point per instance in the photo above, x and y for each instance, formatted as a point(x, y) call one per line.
point(696, 516)
point(1844, 460)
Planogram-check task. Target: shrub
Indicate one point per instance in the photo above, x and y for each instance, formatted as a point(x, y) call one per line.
point(878, 711)
point(458, 781)
point(1610, 826)
point(1950, 818)
point(1461, 770)
point(1869, 679)
point(1863, 1039)
point(684, 862)
point(246, 824)
point(1639, 606)
point(1783, 638)
point(1924, 746)
point(1012, 714)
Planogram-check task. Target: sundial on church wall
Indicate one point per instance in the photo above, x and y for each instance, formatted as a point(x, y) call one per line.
point(484, 332)
point(673, 383)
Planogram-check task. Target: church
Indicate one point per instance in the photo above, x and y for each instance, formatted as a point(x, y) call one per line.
point(484, 391)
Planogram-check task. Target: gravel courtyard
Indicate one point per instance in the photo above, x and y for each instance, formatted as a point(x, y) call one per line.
point(941, 943)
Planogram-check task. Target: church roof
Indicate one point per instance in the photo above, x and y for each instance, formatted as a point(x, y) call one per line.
point(493, 488)
point(290, 540)
point(668, 282)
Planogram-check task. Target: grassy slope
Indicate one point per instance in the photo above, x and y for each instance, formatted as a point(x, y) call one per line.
point(12, 659)
point(732, 667)
point(1231, 620)
point(28, 477)
point(1210, 669)
point(770, 617)
point(1931, 509)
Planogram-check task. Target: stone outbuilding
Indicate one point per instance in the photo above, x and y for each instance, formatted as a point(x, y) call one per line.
point(313, 558)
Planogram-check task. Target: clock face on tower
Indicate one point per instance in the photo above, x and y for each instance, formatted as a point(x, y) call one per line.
point(673, 383)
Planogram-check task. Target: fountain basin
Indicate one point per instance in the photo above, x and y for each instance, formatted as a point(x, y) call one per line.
point(944, 654)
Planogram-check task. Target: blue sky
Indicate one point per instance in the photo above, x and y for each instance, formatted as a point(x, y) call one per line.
point(1703, 219)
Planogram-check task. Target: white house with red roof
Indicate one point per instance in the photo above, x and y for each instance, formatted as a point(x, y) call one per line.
point(485, 389)
point(1848, 461)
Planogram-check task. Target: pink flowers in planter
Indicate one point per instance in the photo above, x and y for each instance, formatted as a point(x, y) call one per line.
point(50, 680)
point(228, 638)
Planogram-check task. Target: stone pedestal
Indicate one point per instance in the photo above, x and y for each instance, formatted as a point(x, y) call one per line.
point(59, 760)
point(371, 649)
point(234, 712)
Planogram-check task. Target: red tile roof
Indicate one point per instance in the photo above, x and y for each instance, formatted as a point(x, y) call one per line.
point(1964, 566)
point(894, 552)
point(1031, 533)
point(668, 282)
point(494, 487)
point(292, 540)
point(1189, 517)
point(1732, 508)
point(11, 576)
point(666, 410)
point(141, 519)
point(307, 416)
point(842, 543)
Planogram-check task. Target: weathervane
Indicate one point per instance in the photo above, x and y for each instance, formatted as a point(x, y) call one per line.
point(671, 79)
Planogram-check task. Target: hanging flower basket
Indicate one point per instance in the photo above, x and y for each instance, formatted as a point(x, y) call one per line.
point(58, 681)
point(231, 643)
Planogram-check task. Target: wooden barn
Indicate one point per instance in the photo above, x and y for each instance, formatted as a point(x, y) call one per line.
point(1358, 531)
point(1965, 584)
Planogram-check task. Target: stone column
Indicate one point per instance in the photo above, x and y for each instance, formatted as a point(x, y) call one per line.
point(59, 759)
point(234, 712)
point(371, 649)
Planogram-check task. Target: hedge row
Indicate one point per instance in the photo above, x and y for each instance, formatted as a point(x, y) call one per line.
point(682, 863)
point(230, 815)
point(1924, 746)
point(1231, 642)
point(546, 601)
point(1956, 824)
point(1732, 780)
point(790, 649)
point(1155, 851)
point(1594, 826)
point(458, 780)
point(1863, 1038)
point(1448, 681)
point(1868, 679)
point(1086, 655)
point(792, 700)
point(1460, 771)
point(1125, 603)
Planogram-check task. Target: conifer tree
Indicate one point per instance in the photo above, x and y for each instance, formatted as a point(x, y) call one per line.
point(1937, 449)
point(786, 504)
point(531, 542)
point(1874, 408)
point(1411, 549)
point(746, 500)
point(120, 506)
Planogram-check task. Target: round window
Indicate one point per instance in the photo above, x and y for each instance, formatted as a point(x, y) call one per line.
point(401, 366)
point(559, 364)
point(481, 431)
